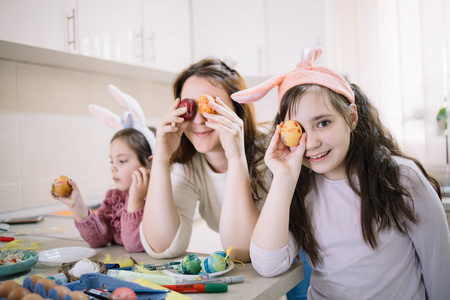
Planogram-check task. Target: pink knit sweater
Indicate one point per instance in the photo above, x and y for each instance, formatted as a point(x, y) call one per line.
point(112, 223)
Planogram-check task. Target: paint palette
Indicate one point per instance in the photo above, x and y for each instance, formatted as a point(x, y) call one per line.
point(16, 261)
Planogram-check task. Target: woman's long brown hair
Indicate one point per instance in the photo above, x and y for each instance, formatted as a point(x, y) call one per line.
point(370, 159)
point(219, 74)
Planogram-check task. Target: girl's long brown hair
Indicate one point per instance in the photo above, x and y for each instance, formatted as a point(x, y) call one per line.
point(219, 74)
point(370, 159)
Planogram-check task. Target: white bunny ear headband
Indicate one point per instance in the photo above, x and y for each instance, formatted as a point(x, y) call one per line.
point(133, 118)
point(304, 73)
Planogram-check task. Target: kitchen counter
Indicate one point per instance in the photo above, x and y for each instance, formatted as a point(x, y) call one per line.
point(57, 232)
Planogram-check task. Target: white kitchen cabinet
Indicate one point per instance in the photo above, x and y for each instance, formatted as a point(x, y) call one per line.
point(232, 26)
point(111, 30)
point(167, 34)
point(293, 25)
point(46, 24)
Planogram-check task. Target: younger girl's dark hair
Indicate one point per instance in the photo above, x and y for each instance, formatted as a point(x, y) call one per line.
point(370, 158)
point(137, 142)
point(219, 74)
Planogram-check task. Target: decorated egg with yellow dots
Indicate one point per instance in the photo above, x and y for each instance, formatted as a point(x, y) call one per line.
point(203, 104)
point(291, 132)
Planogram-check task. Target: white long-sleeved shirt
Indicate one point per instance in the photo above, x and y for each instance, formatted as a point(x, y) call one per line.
point(402, 267)
point(204, 186)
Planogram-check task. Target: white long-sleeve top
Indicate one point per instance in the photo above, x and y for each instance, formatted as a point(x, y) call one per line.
point(402, 267)
point(202, 185)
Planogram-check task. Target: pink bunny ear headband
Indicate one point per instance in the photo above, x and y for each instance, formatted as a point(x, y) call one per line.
point(133, 118)
point(304, 73)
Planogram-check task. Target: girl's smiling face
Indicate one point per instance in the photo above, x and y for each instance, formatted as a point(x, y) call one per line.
point(328, 134)
point(123, 162)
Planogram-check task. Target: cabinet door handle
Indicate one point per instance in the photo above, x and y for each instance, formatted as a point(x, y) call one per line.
point(73, 41)
point(152, 39)
point(140, 36)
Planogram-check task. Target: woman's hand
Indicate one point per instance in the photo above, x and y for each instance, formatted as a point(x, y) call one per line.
point(169, 132)
point(282, 160)
point(230, 128)
point(74, 201)
point(138, 189)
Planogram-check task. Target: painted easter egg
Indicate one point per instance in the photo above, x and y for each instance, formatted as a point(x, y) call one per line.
point(291, 132)
point(203, 105)
point(215, 263)
point(191, 264)
point(191, 109)
point(62, 187)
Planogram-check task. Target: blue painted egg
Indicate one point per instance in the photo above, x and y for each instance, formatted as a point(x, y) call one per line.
point(215, 263)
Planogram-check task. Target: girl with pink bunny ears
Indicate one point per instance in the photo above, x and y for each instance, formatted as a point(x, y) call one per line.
point(119, 215)
point(368, 216)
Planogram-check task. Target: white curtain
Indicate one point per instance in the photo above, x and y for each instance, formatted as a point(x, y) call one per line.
point(398, 52)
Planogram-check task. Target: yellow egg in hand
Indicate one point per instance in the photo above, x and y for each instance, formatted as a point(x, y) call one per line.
point(291, 132)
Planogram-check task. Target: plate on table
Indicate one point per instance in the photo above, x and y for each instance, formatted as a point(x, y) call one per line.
point(58, 256)
point(174, 273)
point(16, 261)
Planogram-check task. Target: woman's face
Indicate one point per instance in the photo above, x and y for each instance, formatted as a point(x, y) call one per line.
point(202, 137)
point(328, 135)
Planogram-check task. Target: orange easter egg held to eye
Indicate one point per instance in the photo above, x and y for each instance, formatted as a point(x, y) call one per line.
point(291, 132)
point(62, 187)
point(203, 105)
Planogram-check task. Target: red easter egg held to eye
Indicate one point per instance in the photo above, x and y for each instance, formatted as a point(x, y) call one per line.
point(191, 109)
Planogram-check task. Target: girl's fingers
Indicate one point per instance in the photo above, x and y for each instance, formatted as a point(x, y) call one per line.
point(273, 145)
point(73, 184)
point(137, 176)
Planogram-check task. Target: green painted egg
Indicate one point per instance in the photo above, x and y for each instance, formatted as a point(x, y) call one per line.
point(191, 264)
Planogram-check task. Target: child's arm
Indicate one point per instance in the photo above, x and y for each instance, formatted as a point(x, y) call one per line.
point(430, 237)
point(272, 229)
point(132, 216)
point(74, 201)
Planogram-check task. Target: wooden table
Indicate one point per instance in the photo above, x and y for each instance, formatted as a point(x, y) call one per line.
point(62, 233)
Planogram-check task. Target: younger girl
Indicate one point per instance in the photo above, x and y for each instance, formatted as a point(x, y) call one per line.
point(119, 215)
point(368, 216)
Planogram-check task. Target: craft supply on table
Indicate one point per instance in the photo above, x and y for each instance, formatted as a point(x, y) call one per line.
point(225, 279)
point(199, 288)
point(104, 282)
point(16, 261)
point(6, 238)
point(131, 276)
point(171, 295)
point(59, 278)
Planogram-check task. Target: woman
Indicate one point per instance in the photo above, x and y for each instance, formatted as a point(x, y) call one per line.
point(215, 159)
